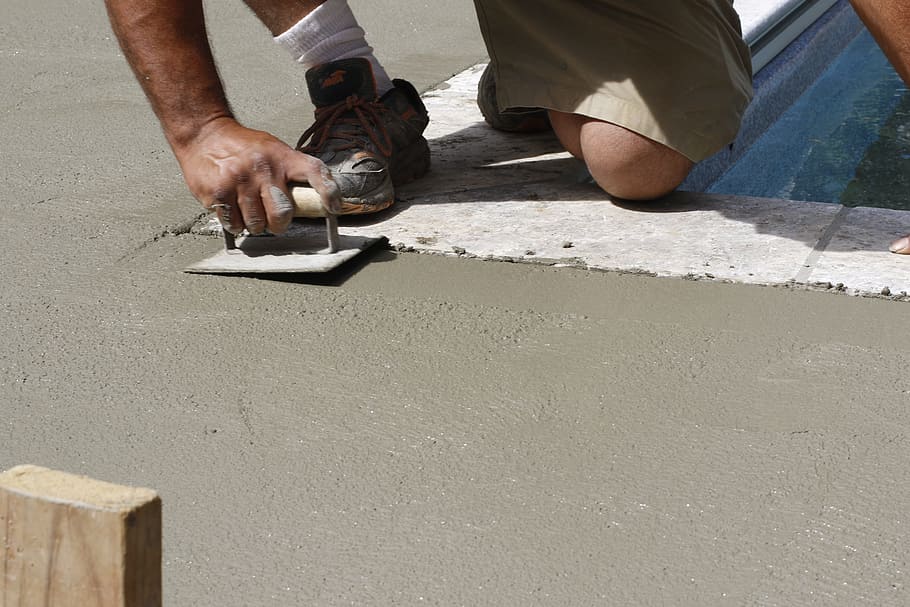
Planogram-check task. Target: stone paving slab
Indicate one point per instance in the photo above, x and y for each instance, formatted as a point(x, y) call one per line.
point(501, 196)
point(857, 255)
point(725, 238)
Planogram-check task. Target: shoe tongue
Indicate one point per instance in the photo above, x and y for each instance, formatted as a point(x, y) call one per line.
point(337, 80)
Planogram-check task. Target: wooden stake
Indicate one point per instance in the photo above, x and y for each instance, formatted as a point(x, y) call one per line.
point(70, 541)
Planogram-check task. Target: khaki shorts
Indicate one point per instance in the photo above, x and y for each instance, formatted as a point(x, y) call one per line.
point(675, 71)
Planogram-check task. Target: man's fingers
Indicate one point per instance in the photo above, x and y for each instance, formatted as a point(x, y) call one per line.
point(251, 172)
point(304, 168)
point(279, 208)
point(224, 204)
point(901, 246)
point(225, 215)
point(249, 200)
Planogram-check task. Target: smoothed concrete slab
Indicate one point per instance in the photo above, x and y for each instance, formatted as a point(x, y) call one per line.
point(431, 430)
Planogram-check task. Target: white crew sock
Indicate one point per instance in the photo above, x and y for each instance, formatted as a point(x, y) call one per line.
point(329, 33)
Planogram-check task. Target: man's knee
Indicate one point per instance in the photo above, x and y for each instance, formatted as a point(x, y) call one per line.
point(640, 170)
point(625, 164)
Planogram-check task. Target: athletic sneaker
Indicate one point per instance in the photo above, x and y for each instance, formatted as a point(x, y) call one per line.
point(515, 120)
point(370, 144)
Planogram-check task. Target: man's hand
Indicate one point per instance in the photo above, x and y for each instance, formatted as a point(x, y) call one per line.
point(243, 175)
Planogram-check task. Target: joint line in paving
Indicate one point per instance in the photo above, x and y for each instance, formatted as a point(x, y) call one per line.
point(812, 259)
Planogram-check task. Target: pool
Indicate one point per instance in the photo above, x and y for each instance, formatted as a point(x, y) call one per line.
point(845, 140)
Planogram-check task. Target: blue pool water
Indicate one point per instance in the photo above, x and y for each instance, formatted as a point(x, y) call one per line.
point(845, 140)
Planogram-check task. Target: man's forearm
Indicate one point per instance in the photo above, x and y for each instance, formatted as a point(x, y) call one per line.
point(166, 44)
point(889, 22)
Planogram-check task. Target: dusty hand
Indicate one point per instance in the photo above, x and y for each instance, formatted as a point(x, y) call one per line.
point(901, 245)
point(243, 175)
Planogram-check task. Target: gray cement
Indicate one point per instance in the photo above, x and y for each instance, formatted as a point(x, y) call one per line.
point(427, 430)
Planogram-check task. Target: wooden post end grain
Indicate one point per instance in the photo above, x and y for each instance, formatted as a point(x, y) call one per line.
point(70, 541)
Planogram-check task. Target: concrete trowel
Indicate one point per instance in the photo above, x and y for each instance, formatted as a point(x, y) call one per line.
point(302, 249)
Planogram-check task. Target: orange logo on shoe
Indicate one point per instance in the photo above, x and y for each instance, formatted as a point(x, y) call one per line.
point(336, 77)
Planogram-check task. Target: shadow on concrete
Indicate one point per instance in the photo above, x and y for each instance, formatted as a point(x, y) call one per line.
point(338, 276)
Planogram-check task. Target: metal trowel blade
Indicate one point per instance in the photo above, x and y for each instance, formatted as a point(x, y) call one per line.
point(293, 253)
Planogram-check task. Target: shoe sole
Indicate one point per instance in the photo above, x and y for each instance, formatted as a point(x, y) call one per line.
point(411, 163)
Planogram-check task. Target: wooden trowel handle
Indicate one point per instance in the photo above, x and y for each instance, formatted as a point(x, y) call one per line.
point(307, 202)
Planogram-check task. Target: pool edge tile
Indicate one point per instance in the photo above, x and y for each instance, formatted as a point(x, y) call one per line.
point(857, 255)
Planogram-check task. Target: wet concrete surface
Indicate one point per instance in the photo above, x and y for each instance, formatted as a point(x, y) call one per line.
point(424, 430)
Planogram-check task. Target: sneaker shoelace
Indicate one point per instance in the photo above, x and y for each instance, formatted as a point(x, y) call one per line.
point(352, 111)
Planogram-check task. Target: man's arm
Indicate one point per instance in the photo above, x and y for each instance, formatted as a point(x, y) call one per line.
point(243, 173)
point(889, 23)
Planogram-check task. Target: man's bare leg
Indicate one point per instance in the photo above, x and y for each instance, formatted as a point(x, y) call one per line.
point(280, 15)
point(623, 163)
point(889, 22)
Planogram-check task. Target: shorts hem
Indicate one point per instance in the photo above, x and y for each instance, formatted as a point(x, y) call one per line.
point(628, 114)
